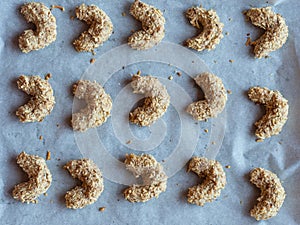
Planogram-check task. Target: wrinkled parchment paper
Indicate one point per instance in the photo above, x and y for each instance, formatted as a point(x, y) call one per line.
point(280, 154)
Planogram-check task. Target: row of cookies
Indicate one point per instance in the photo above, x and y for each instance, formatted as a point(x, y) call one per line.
point(154, 183)
point(153, 28)
point(156, 103)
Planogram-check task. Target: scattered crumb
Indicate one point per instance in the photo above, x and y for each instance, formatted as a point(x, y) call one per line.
point(170, 77)
point(138, 73)
point(93, 60)
point(213, 143)
point(93, 52)
point(41, 137)
point(229, 19)
point(48, 76)
point(248, 34)
point(123, 67)
point(259, 140)
point(206, 130)
point(48, 156)
point(229, 91)
point(35, 201)
point(241, 202)
point(227, 33)
point(280, 142)
point(58, 159)
point(101, 209)
point(231, 60)
point(123, 14)
point(72, 17)
point(178, 73)
point(58, 7)
point(57, 125)
point(45, 194)
point(128, 142)
point(248, 42)
point(215, 61)
point(228, 166)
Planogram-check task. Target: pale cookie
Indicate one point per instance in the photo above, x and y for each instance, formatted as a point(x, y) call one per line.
point(272, 194)
point(100, 28)
point(97, 110)
point(39, 178)
point(152, 174)
point(215, 97)
point(153, 26)
point(214, 181)
point(156, 102)
point(207, 21)
point(45, 22)
point(276, 111)
point(42, 101)
point(276, 30)
point(92, 186)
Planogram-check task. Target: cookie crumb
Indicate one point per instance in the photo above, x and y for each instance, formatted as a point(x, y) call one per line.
point(206, 130)
point(227, 33)
point(93, 60)
point(178, 73)
point(248, 42)
point(58, 7)
point(72, 17)
point(123, 14)
point(48, 76)
point(128, 142)
point(45, 194)
point(231, 60)
point(228, 167)
point(170, 77)
point(229, 91)
point(48, 156)
point(41, 137)
point(101, 209)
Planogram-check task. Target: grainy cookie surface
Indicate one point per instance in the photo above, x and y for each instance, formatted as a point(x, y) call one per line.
point(276, 30)
point(39, 178)
point(215, 97)
point(153, 26)
point(152, 174)
point(100, 28)
point(209, 22)
point(42, 101)
point(156, 102)
point(45, 22)
point(272, 194)
point(92, 186)
point(99, 105)
point(214, 181)
point(276, 111)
